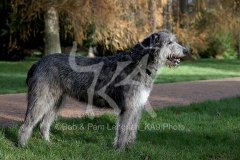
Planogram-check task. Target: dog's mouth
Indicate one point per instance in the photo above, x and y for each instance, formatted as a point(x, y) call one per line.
point(174, 60)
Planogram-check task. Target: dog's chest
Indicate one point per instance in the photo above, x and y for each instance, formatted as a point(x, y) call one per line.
point(142, 96)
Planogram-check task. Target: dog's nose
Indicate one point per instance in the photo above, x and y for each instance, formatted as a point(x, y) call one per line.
point(185, 51)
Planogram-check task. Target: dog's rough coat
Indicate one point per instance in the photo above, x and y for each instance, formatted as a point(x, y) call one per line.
point(52, 78)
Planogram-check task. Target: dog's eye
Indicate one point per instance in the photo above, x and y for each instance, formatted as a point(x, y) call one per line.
point(170, 42)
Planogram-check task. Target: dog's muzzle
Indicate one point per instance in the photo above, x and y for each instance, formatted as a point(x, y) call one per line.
point(174, 60)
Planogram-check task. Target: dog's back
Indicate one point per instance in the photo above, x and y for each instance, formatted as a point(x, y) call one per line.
point(56, 71)
point(31, 72)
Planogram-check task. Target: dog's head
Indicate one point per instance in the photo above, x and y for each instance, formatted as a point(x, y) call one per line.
point(166, 47)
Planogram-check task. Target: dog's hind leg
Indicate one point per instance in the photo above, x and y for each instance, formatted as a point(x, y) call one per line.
point(39, 102)
point(50, 116)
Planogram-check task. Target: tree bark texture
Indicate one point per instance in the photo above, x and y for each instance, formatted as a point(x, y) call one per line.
point(183, 6)
point(239, 45)
point(167, 14)
point(152, 6)
point(51, 33)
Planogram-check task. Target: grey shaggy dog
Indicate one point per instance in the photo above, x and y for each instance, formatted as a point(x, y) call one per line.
point(122, 81)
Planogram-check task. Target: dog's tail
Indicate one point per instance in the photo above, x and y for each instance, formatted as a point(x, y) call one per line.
point(31, 72)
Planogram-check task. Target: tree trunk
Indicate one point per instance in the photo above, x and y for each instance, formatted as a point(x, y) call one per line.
point(169, 24)
point(167, 14)
point(239, 46)
point(152, 7)
point(51, 34)
point(183, 5)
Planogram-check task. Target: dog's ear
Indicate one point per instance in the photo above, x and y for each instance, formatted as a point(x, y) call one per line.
point(157, 39)
point(154, 39)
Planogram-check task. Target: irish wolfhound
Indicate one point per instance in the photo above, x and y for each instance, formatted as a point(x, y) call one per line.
point(122, 81)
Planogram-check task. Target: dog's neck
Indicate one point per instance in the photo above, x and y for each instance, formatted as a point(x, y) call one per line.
point(142, 49)
point(147, 43)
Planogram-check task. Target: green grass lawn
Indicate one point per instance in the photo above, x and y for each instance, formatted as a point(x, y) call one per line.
point(207, 130)
point(13, 74)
